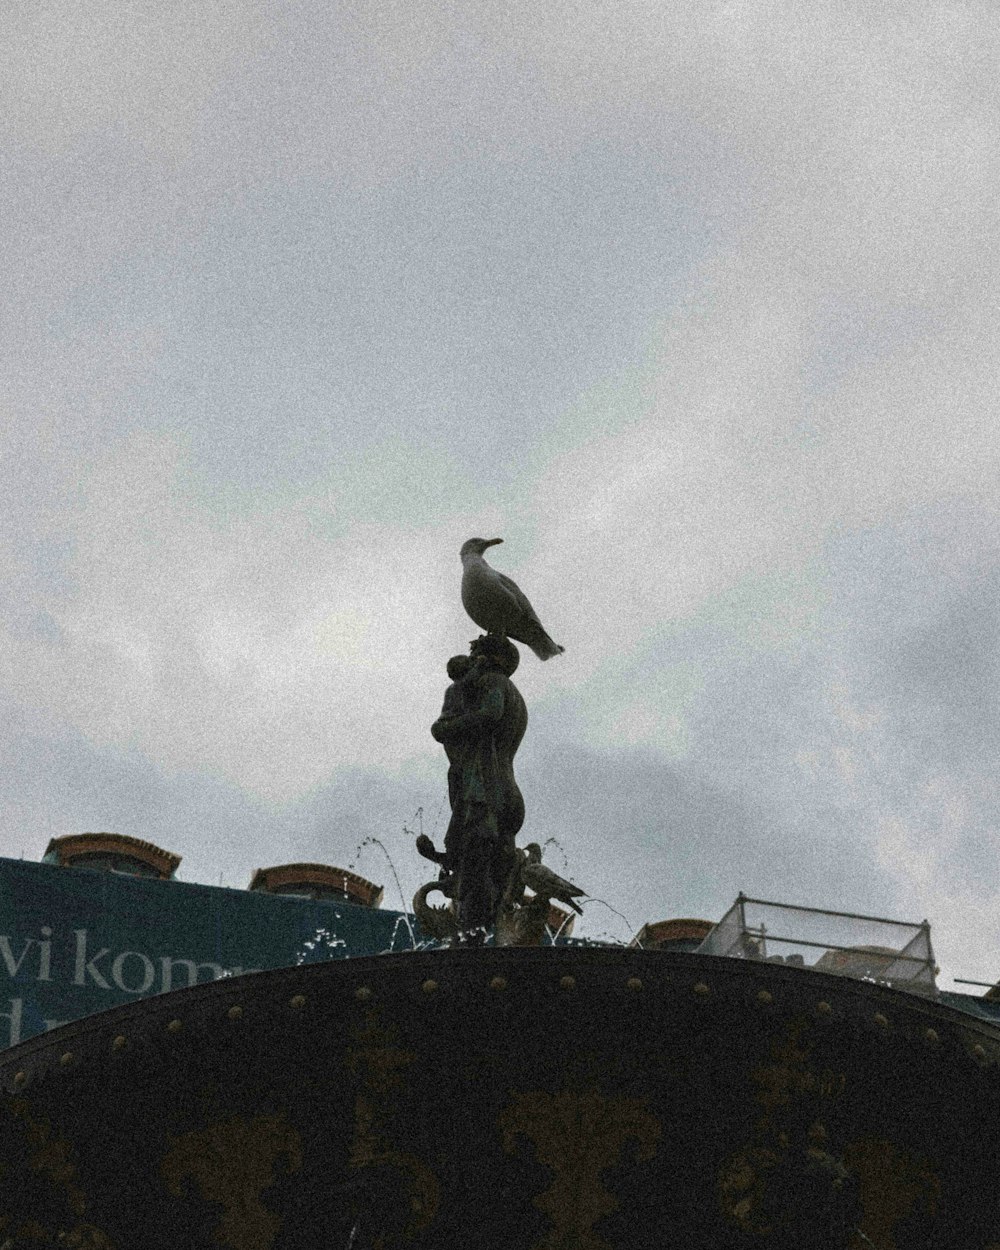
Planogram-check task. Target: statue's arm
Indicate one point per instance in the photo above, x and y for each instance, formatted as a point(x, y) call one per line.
point(440, 728)
point(489, 709)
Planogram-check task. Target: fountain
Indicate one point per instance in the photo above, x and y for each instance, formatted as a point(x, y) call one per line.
point(499, 1091)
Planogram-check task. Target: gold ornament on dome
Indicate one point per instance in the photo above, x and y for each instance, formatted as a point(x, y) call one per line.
point(41, 1154)
point(232, 1162)
point(379, 1064)
point(578, 1136)
point(894, 1182)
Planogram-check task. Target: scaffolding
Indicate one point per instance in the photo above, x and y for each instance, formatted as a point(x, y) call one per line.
point(868, 948)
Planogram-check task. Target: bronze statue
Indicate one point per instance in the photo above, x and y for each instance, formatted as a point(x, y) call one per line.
point(480, 727)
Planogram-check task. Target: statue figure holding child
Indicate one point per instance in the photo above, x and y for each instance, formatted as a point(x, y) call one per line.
point(481, 725)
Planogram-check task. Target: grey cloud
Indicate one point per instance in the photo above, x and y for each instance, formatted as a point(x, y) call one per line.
point(64, 784)
point(659, 838)
point(694, 306)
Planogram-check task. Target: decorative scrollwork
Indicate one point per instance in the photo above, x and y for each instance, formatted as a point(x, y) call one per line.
point(232, 1162)
point(578, 1135)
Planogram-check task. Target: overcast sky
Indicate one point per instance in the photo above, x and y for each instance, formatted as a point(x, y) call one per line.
point(695, 304)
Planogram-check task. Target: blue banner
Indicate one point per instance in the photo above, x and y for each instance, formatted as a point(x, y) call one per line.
point(73, 942)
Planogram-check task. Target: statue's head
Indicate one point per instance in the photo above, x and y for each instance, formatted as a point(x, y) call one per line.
point(458, 666)
point(476, 546)
point(499, 652)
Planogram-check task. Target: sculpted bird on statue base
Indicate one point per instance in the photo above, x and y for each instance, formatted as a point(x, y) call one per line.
point(497, 604)
point(544, 883)
point(523, 921)
point(436, 922)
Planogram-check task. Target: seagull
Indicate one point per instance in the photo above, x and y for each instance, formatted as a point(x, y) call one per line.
point(496, 603)
point(544, 883)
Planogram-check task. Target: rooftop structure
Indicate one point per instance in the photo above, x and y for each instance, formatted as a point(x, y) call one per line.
point(112, 852)
point(317, 881)
point(870, 948)
point(682, 934)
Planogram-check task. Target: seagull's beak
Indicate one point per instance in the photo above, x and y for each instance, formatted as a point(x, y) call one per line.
point(492, 542)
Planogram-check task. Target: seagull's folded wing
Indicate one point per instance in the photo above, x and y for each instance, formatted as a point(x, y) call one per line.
point(524, 608)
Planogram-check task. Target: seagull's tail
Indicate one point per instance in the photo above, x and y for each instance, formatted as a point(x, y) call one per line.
point(530, 632)
point(543, 646)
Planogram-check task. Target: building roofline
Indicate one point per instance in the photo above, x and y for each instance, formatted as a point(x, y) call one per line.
point(64, 849)
point(271, 879)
